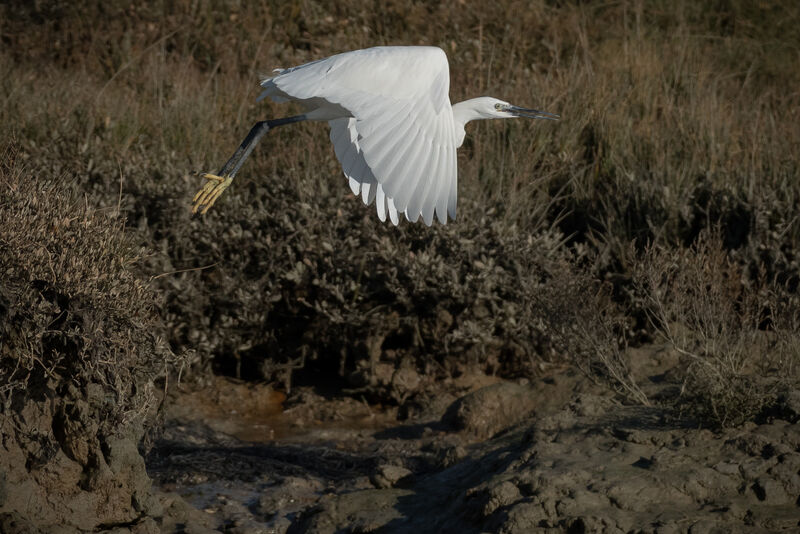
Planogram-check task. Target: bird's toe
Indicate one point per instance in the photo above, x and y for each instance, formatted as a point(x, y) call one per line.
point(210, 192)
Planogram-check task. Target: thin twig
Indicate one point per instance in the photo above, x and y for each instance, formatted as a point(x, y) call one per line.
point(183, 271)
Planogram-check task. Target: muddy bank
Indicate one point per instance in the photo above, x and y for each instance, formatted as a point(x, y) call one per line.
point(568, 458)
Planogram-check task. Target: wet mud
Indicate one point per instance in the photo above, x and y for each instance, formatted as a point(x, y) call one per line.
point(547, 455)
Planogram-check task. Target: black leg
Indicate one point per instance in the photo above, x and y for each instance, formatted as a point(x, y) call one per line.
point(246, 148)
point(216, 184)
point(233, 165)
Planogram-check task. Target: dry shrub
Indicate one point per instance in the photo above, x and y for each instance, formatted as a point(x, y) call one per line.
point(587, 327)
point(73, 314)
point(738, 336)
point(320, 292)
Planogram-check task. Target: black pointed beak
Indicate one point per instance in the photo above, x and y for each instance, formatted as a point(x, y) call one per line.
point(532, 113)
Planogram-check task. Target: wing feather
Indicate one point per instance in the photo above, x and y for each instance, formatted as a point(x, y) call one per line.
point(413, 170)
point(453, 193)
point(342, 142)
point(367, 193)
point(422, 183)
point(406, 160)
point(414, 130)
point(428, 195)
point(442, 195)
point(390, 147)
point(392, 211)
point(428, 202)
point(380, 201)
point(355, 185)
point(415, 202)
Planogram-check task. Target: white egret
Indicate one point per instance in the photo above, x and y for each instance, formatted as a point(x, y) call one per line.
point(392, 126)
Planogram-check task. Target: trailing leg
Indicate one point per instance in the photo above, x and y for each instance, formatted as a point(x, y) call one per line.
point(217, 183)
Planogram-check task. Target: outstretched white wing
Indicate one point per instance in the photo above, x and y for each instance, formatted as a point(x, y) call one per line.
point(391, 124)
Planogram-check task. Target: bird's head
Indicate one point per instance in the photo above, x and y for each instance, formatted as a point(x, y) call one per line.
point(492, 108)
point(487, 107)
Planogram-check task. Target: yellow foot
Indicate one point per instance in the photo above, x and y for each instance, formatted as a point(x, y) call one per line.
point(210, 192)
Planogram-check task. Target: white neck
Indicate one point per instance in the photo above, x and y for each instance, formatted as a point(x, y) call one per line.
point(463, 112)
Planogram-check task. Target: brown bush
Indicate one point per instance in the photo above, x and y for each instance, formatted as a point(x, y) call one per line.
point(738, 336)
point(293, 293)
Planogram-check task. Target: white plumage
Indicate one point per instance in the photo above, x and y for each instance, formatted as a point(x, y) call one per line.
point(397, 146)
point(393, 128)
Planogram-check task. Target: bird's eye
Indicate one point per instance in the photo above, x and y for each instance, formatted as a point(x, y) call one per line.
point(498, 106)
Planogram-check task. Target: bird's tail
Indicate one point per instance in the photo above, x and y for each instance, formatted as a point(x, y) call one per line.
point(270, 89)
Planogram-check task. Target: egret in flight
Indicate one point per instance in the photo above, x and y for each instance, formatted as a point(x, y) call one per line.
point(392, 126)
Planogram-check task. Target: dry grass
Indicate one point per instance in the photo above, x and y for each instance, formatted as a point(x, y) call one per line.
point(677, 117)
point(658, 101)
point(738, 336)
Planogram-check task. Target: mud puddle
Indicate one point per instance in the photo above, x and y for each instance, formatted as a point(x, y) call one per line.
point(258, 413)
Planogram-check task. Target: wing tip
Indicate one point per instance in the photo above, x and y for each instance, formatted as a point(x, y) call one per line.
point(441, 215)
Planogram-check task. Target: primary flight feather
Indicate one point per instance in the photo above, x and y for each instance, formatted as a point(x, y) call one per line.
point(393, 128)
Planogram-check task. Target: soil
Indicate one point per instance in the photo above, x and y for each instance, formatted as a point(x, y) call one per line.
point(547, 455)
point(68, 478)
